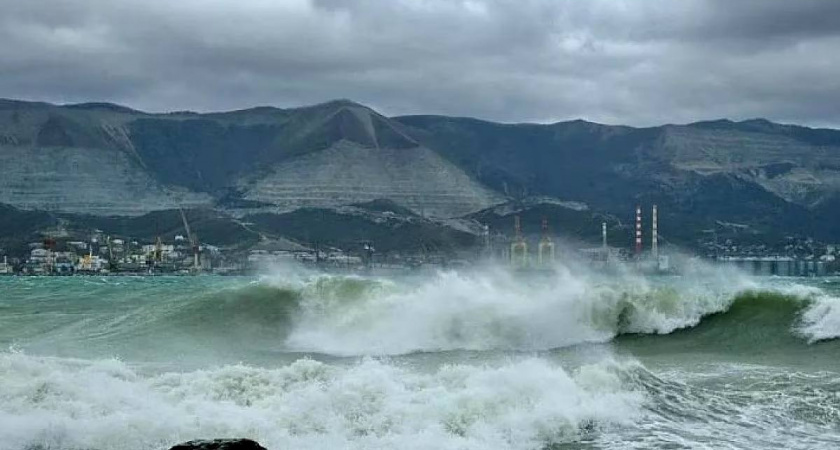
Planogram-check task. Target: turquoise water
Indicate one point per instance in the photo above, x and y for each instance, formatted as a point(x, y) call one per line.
point(452, 360)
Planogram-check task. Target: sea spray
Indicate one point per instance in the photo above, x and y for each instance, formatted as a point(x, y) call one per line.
point(496, 309)
point(723, 361)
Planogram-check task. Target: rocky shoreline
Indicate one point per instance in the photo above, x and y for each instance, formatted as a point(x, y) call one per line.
point(220, 444)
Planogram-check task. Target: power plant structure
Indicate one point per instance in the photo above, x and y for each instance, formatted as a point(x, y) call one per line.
point(653, 260)
point(648, 259)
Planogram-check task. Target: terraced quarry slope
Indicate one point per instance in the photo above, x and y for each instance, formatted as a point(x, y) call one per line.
point(60, 159)
point(797, 171)
point(108, 160)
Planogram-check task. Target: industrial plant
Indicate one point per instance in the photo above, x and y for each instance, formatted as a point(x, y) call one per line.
point(60, 253)
point(604, 257)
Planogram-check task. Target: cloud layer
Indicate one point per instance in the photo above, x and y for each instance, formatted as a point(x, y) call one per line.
point(612, 61)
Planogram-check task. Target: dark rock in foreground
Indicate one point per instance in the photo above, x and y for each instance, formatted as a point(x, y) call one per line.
point(220, 444)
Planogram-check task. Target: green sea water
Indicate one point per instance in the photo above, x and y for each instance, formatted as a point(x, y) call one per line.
point(460, 360)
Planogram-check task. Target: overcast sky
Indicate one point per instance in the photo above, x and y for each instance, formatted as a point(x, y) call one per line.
point(638, 62)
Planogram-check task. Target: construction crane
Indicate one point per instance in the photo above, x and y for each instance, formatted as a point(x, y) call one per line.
point(49, 245)
point(193, 241)
point(112, 264)
point(87, 260)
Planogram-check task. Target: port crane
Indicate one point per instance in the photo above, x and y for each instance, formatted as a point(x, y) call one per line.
point(158, 254)
point(519, 247)
point(193, 241)
point(112, 264)
point(155, 257)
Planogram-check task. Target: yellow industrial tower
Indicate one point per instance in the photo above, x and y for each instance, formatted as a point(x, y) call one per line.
point(519, 248)
point(545, 251)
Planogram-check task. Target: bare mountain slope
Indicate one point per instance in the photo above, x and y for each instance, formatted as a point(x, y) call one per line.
point(109, 160)
point(797, 171)
point(85, 181)
point(106, 159)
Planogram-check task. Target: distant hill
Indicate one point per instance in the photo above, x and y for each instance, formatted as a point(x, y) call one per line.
point(276, 167)
point(772, 178)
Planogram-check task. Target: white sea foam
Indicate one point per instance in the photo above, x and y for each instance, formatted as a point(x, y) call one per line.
point(821, 320)
point(525, 404)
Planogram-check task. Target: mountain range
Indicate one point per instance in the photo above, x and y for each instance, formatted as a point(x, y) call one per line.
point(282, 171)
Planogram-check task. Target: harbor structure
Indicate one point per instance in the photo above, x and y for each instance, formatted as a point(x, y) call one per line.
point(519, 247)
point(193, 239)
point(782, 266)
point(545, 249)
point(5, 267)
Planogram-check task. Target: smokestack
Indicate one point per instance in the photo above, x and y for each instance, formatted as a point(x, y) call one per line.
point(638, 230)
point(654, 243)
point(604, 234)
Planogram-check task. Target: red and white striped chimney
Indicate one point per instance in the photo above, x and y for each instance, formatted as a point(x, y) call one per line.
point(654, 235)
point(638, 230)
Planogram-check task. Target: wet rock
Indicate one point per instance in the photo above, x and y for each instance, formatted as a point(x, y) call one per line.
point(220, 444)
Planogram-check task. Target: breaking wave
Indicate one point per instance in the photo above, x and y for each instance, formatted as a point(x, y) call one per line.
point(486, 310)
point(516, 403)
point(456, 311)
point(494, 399)
point(526, 404)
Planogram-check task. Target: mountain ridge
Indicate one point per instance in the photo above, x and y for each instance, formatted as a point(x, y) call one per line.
point(106, 159)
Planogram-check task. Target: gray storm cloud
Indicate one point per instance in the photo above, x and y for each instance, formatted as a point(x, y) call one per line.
point(613, 61)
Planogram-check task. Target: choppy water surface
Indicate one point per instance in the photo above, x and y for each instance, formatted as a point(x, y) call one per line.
point(475, 360)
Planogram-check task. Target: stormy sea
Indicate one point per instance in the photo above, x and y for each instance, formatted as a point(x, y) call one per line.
point(469, 359)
